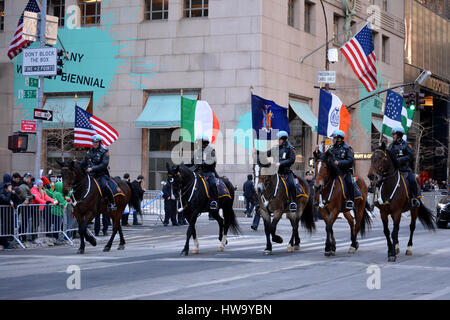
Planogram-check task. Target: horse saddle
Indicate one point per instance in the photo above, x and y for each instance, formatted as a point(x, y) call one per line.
point(299, 192)
point(222, 189)
point(111, 184)
point(357, 193)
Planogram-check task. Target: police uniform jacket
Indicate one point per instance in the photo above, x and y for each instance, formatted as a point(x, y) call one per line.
point(286, 157)
point(98, 160)
point(343, 153)
point(403, 154)
point(204, 159)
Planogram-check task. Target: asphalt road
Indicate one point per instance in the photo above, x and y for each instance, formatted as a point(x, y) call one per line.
point(150, 267)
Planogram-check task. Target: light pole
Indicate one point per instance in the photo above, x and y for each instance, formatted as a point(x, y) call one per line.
point(40, 93)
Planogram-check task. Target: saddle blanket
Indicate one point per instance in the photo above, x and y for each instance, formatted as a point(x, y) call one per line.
point(358, 193)
point(298, 187)
point(221, 187)
point(112, 185)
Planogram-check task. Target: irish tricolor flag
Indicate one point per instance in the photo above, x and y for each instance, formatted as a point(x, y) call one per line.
point(332, 114)
point(198, 119)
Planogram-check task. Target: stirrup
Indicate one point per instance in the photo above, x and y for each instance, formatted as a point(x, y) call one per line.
point(292, 207)
point(349, 204)
point(213, 205)
point(112, 206)
point(415, 203)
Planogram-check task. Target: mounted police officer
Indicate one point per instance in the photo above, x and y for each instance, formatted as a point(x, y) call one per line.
point(204, 160)
point(97, 161)
point(342, 157)
point(286, 160)
point(403, 154)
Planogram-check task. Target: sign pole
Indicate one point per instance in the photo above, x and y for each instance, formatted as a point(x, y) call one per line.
point(40, 93)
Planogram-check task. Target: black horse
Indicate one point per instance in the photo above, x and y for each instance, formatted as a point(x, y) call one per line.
point(89, 202)
point(191, 191)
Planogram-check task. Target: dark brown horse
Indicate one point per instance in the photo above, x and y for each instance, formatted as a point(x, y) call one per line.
point(330, 197)
point(394, 200)
point(191, 191)
point(272, 196)
point(89, 202)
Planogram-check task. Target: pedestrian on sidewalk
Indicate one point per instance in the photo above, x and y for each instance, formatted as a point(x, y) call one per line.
point(170, 205)
point(249, 193)
point(137, 195)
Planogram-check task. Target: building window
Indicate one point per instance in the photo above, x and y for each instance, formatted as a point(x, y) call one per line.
point(195, 8)
point(56, 8)
point(90, 11)
point(2, 15)
point(156, 9)
point(338, 29)
point(385, 50)
point(385, 5)
point(309, 17)
point(375, 43)
point(160, 147)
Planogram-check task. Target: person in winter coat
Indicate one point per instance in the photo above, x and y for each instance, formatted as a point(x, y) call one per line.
point(58, 211)
point(41, 197)
point(6, 213)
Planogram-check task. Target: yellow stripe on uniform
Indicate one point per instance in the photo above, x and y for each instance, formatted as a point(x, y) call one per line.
point(404, 184)
point(99, 190)
point(285, 187)
point(342, 185)
point(206, 189)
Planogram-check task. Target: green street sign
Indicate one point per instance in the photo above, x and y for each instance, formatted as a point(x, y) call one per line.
point(29, 94)
point(31, 82)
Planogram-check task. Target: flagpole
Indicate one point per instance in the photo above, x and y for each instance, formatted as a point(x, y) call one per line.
point(256, 157)
point(40, 93)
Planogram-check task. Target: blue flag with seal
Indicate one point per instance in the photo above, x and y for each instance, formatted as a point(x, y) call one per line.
point(267, 115)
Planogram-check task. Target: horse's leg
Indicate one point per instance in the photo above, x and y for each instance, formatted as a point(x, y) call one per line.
point(412, 227)
point(81, 231)
point(89, 237)
point(385, 220)
point(290, 247)
point(220, 221)
point(266, 218)
point(359, 216)
point(273, 226)
point(351, 223)
point(185, 250)
point(296, 235)
point(394, 235)
point(194, 236)
point(330, 244)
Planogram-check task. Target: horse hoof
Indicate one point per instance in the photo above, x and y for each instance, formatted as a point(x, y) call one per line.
point(397, 249)
point(194, 251)
point(333, 253)
point(106, 249)
point(409, 252)
point(267, 252)
point(183, 253)
point(221, 248)
point(351, 250)
point(80, 251)
point(392, 258)
point(121, 247)
point(297, 247)
point(327, 253)
point(277, 239)
point(290, 248)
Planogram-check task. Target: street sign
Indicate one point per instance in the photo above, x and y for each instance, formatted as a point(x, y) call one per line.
point(39, 62)
point(31, 82)
point(27, 94)
point(326, 76)
point(28, 126)
point(43, 114)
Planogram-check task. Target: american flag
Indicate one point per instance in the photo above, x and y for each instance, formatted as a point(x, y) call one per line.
point(17, 43)
point(87, 125)
point(360, 52)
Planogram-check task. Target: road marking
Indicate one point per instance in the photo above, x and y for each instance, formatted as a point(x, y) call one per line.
point(224, 259)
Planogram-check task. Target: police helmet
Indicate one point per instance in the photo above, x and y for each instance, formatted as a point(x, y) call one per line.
point(338, 133)
point(97, 138)
point(398, 130)
point(282, 135)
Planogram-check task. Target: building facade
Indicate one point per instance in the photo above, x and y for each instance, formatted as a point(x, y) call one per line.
point(129, 62)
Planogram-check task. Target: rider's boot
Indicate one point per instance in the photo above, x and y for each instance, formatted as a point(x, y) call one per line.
point(214, 201)
point(350, 203)
point(112, 202)
point(415, 203)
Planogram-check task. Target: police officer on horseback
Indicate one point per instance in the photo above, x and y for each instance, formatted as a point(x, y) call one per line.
point(342, 157)
point(204, 160)
point(97, 161)
point(403, 154)
point(286, 160)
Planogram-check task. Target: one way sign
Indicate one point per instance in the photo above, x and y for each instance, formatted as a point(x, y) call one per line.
point(43, 114)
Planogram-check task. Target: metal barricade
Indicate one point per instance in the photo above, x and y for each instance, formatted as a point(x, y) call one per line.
point(8, 224)
point(37, 219)
point(432, 198)
point(153, 204)
point(239, 201)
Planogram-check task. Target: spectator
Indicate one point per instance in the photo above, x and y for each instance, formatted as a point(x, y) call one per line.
point(257, 216)
point(310, 180)
point(16, 180)
point(27, 196)
point(47, 187)
point(28, 179)
point(6, 214)
point(106, 221)
point(436, 186)
point(426, 186)
point(58, 211)
point(249, 193)
point(137, 196)
point(41, 197)
point(126, 177)
point(170, 205)
point(6, 179)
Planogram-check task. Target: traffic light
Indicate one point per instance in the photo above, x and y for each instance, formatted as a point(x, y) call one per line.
point(18, 142)
point(420, 100)
point(410, 99)
point(59, 62)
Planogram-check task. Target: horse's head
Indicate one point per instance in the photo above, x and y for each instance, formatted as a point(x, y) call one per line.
point(380, 163)
point(174, 178)
point(71, 173)
point(321, 173)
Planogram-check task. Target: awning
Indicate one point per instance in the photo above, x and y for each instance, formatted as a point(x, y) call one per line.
point(378, 124)
point(305, 113)
point(162, 111)
point(63, 111)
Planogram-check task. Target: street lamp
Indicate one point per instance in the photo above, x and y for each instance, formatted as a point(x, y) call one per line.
point(423, 76)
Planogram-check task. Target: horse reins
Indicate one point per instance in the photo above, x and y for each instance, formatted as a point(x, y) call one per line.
point(385, 176)
point(192, 185)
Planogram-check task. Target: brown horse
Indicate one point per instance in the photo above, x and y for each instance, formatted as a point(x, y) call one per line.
point(394, 200)
point(272, 195)
point(89, 202)
point(330, 198)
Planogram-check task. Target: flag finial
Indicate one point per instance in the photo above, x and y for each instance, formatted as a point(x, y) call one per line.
point(75, 99)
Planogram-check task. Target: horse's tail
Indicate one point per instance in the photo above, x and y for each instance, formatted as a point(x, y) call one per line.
point(426, 217)
point(228, 212)
point(366, 222)
point(307, 218)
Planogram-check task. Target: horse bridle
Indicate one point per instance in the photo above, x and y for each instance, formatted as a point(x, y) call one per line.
point(183, 193)
point(384, 174)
